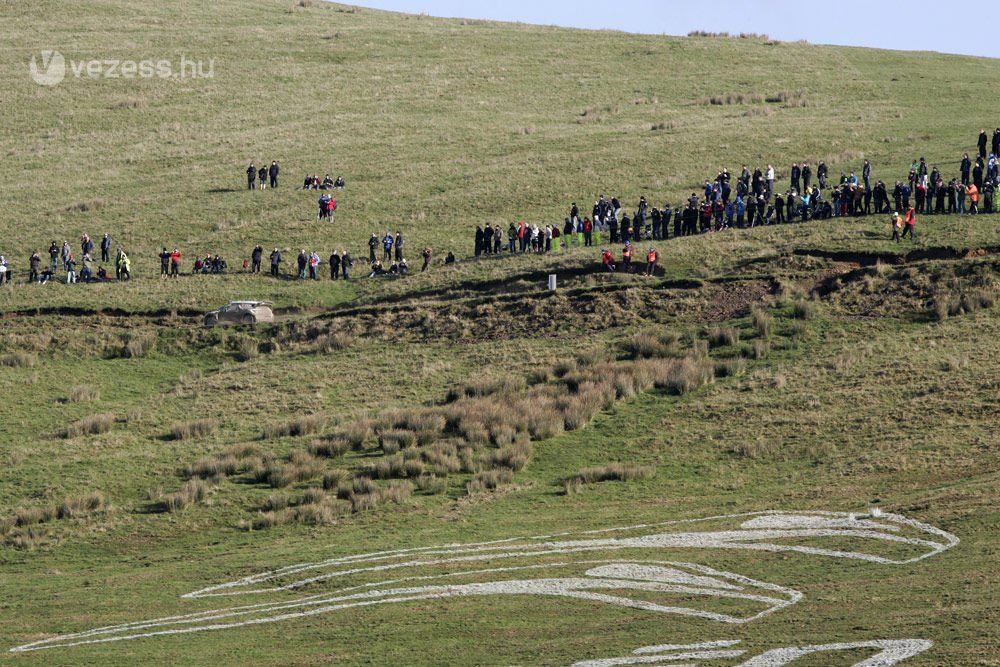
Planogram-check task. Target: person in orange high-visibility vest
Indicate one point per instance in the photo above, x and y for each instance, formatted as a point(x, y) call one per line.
point(897, 225)
point(627, 257)
point(651, 258)
point(911, 224)
point(973, 192)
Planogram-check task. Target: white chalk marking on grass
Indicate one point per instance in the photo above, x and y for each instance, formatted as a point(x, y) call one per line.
point(758, 531)
point(686, 579)
point(892, 651)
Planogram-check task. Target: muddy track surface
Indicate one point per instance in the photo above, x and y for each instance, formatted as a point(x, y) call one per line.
point(915, 255)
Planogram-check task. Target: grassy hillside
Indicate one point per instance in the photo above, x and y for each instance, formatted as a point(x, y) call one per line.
point(807, 367)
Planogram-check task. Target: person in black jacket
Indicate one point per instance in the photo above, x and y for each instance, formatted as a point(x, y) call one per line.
point(479, 240)
point(982, 143)
point(345, 264)
point(273, 173)
point(334, 265)
point(275, 262)
point(255, 257)
point(251, 176)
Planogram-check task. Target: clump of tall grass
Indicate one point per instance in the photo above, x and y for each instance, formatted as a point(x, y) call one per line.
point(723, 336)
point(803, 309)
point(762, 321)
point(613, 472)
point(304, 425)
point(300, 467)
point(489, 480)
point(197, 428)
point(92, 425)
point(194, 490)
point(332, 447)
point(18, 360)
point(83, 393)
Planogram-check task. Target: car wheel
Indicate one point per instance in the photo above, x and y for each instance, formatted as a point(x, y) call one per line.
point(211, 320)
point(248, 319)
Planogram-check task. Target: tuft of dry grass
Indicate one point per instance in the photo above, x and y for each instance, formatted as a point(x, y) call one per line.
point(92, 425)
point(18, 360)
point(82, 393)
point(723, 336)
point(304, 425)
point(198, 428)
point(92, 501)
point(194, 491)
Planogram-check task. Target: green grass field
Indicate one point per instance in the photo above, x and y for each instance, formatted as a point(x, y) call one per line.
point(801, 368)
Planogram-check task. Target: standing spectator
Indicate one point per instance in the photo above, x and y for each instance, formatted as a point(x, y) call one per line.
point(588, 232)
point(821, 174)
point(866, 175)
point(488, 239)
point(345, 264)
point(795, 173)
point(262, 177)
point(511, 238)
point(273, 173)
point(313, 265)
point(399, 246)
point(275, 262)
point(164, 262)
point(806, 175)
point(480, 235)
point(897, 224)
point(372, 247)
point(53, 257)
point(302, 261)
point(175, 263)
point(64, 254)
point(334, 265)
point(4, 274)
point(251, 176)
point(34, 264)
point(70, 269)
point(387, 242)
point(105, 248)
point(983, 138)
point(427, 253)
point(123, 266)
point(497, 239)
point(255, 257)
point(965, 168)
point(87, 245)
point(88, 268)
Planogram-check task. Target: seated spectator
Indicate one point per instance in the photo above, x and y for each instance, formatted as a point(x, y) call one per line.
point(218, 264)
point(339, 183)
point(198, 265)
point(102, 273)
point(327, 183)
point(377, 269)
point(307, 182)
point(403, 267)
point(45, 275)
point(449, 258)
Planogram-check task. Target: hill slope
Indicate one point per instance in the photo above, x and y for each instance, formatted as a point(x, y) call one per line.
point(812, 369)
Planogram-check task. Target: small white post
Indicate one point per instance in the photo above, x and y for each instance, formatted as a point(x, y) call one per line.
point(552, 282)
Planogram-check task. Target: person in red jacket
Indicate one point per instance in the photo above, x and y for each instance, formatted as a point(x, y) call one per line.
point(588, 232)
point(911, 222)
point(607, 260)
point(175, 263)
